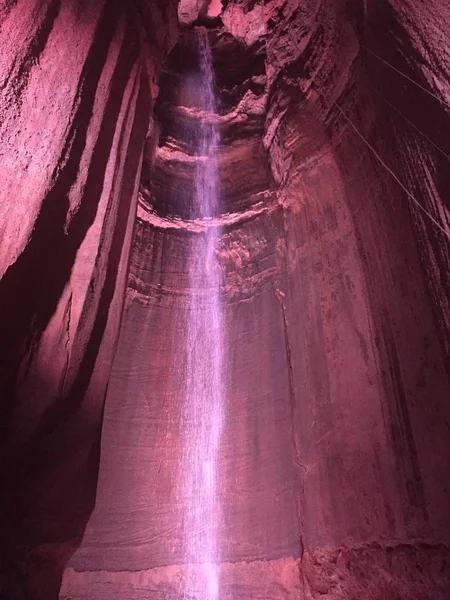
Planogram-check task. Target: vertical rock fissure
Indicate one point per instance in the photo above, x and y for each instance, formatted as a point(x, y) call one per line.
point(296, 452)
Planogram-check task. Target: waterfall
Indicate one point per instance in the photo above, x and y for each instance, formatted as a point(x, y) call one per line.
point(203, 400)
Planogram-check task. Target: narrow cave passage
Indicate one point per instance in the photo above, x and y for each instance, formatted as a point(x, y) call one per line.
point(331, 253)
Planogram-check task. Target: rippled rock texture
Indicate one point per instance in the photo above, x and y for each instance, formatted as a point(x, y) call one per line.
point(78, 84)
point(335, 259)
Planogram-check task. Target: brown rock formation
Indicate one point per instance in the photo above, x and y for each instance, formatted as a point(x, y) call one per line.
point(335, 255)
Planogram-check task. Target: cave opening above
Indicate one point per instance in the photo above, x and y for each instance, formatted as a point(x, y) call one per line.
point(244, 171)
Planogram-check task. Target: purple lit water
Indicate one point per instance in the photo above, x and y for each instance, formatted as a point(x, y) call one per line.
point(203, 401)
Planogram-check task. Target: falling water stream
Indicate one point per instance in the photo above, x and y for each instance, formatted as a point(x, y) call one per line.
point(203, 401)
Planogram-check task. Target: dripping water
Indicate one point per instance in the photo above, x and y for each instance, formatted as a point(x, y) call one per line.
point(203, 401)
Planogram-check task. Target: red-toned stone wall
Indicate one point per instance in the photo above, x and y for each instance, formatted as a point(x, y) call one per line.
point(336, 306)
point(366, 299)
point(335, 254)
point(78, 84)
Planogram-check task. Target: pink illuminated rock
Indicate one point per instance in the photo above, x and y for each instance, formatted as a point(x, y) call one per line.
point(77, 94)
point(247, 25)
point(331, 452)
point(335, 259)
point(190, 10)
point(215, 8)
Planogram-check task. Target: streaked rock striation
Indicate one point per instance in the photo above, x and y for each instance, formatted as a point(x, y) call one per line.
point(78, 86)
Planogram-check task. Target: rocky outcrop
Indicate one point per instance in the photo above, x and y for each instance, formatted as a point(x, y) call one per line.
point(78, 85)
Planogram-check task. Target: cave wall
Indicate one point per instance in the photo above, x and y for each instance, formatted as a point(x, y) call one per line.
point(138, 515)
point(368, 332)
point(78, 85)
point(336, 299)
point(336, 304)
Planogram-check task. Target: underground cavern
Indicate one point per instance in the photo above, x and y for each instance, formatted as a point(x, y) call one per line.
point(225, 300)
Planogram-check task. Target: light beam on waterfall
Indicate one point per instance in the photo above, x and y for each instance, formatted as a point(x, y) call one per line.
point(203, 401)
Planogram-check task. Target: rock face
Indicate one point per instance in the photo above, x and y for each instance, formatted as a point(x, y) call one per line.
point(78, 83)
point(335, 259)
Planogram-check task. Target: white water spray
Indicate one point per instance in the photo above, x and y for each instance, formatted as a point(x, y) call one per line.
point(203, 401)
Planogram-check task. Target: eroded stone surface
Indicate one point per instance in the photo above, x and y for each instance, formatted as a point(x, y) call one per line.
point(77, 92)
point(330, 271)
point(258, 580)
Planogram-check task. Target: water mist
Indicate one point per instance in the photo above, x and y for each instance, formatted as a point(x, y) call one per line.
point(203, 401)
